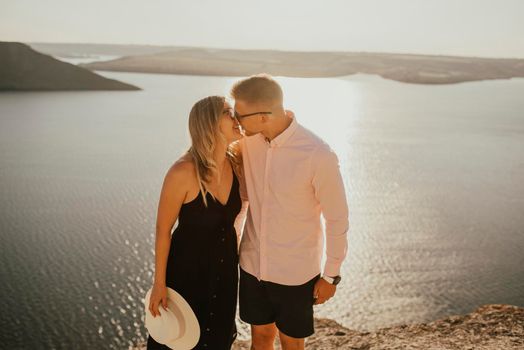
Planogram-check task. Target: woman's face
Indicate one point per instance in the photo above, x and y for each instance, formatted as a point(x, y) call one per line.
point(228, 124)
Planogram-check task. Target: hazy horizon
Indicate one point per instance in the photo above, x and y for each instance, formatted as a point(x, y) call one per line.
point(482, 28)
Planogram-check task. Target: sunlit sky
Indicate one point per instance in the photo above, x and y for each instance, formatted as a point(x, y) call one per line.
point(486, 28)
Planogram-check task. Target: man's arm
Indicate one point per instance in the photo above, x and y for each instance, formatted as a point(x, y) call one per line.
point(241, 217)
point(331, 194)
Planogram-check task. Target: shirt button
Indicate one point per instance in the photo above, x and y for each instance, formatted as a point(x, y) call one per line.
point(211, 313)
point(205, 345)
point(223, 239)
point(207, 329)
point(214, 296)
point(222, 229)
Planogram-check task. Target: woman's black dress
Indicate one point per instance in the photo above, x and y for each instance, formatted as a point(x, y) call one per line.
point(203, 267)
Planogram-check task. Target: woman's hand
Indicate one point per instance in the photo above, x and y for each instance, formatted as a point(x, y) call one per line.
point(158, 296)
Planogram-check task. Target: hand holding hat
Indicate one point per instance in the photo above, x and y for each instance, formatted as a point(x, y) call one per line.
point(176, 326)
point(157, 299)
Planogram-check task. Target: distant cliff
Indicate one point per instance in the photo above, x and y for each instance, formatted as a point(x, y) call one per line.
point(23, 69)
point(490, 327)
point(418, 69)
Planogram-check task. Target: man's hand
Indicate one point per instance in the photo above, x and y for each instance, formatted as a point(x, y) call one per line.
point(323, 291)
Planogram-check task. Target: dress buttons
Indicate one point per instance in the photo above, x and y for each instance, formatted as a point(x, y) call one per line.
point(221, 260)
point(214, 296)
point(207, 329)
point(223, 239)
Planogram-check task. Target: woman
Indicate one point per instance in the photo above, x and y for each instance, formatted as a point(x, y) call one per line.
point(200, 259)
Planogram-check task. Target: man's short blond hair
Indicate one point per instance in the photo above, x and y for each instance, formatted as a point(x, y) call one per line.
point(259, 88)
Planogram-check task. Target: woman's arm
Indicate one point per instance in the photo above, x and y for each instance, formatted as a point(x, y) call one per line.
point(174, 191)
point(172, 196)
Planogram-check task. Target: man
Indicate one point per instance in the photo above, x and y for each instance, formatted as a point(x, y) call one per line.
point(290, 177)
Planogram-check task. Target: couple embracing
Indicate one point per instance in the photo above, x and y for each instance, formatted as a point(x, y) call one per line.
point(253, 161)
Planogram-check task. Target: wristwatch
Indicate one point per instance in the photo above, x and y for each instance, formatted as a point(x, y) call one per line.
point(333, 280)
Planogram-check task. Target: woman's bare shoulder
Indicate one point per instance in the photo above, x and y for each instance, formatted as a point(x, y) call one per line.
point(183, 170)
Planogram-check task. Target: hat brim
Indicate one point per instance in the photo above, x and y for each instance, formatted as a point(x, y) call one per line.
point(190, 328)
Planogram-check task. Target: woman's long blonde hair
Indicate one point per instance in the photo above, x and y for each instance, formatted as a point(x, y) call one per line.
point(205, 136)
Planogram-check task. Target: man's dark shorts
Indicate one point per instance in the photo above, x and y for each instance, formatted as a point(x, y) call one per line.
point(290, 307)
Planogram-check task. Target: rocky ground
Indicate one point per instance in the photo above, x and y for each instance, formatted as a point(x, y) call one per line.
point(493, 327)
point(489, 327)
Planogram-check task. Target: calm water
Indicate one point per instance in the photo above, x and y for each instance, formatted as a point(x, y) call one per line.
point(434, 177)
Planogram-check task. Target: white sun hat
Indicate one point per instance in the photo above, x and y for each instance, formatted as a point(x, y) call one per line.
point(177, 327)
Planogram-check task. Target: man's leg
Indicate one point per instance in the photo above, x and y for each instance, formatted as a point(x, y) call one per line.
point(290, 343)
point(263, 336)
point(256, 309)
point(294, 319)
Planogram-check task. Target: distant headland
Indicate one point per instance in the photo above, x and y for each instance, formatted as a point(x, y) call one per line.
point(409, 68)
point(24, 69)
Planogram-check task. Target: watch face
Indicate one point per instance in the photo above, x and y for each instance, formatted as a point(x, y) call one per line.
point(336, 280)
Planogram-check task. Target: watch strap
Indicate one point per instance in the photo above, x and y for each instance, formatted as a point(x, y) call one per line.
point(328, 279)
point(332, 280)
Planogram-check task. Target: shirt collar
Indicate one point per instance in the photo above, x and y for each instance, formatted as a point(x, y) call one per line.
point(284, 135)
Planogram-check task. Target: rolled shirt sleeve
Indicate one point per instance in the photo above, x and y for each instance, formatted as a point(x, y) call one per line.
point(330, 193)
